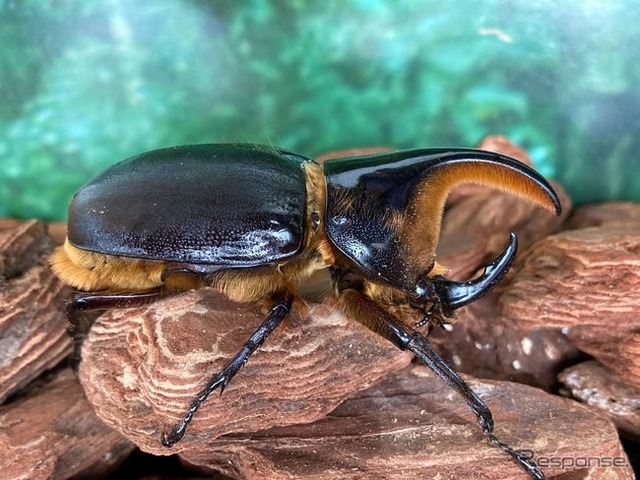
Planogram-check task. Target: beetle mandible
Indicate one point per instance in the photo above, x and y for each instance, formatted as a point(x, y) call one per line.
point(256, 221)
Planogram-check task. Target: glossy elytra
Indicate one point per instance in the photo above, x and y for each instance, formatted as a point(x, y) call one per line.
point(256, 221)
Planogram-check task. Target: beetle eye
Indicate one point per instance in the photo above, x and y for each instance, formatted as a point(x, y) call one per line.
point(426, 292)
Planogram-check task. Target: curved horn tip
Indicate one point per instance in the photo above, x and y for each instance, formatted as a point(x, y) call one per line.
point(458, 294)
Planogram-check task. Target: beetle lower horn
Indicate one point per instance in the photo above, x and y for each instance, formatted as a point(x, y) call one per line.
point(450, 295)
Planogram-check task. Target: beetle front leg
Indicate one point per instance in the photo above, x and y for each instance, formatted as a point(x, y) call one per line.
point(278, 313)
point(377, 318)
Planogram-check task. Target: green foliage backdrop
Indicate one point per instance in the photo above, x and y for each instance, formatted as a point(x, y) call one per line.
point(86, 84)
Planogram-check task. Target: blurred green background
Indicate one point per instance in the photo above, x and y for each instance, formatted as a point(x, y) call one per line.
point(85, 84)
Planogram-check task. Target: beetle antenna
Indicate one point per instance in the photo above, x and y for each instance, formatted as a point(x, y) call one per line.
point(378, 319)
point(278, 313)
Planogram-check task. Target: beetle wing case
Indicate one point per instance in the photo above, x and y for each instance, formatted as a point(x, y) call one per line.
point(227, 205)
point(384, 211)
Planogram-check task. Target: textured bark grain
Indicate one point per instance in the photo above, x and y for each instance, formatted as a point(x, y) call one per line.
point(412, 426)
point(142, 368)
point(591, 383)
point(586, 282)
point(52, 433)
point(32, 323)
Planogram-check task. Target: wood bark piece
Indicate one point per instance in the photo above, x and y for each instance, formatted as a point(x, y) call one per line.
point(412, 426)
point(586, 281)
point(52, 433)
point(593, 384)
point(142, 368)
point(57, 232)
point(483, 344)
point(617, 348)
point(32, 322)
point(22, 245)
point(604, 215)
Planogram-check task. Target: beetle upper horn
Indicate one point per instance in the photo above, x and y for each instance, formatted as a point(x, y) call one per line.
point(421, 226)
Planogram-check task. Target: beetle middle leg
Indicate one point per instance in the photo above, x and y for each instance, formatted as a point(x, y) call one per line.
point(278, 313)
point(377, 318)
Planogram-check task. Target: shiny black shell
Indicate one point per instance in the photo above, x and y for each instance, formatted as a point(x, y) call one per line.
point(218, 205)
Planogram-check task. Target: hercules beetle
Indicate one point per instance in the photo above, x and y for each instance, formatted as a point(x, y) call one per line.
point(255, 221)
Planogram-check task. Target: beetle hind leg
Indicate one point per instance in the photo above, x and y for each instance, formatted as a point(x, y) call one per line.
point(81, 315)
point(173, 279)
point(419, 345)
point(278, 313)
point(104, 301)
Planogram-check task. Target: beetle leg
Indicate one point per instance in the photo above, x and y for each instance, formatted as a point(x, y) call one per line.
point(356, 304)
point(79, 324)
point(81, 319)
point(104, 301)
point(278, 313)
point(428, 315)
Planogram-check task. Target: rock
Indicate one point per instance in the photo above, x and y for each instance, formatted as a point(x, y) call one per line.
point(142, 367)
point(591, 383)
point(51, 432)
point(586, 281)
point(412, 426)
point(32, 323)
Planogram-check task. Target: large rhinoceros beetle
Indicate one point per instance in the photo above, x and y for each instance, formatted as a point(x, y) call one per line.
point(256, 221)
